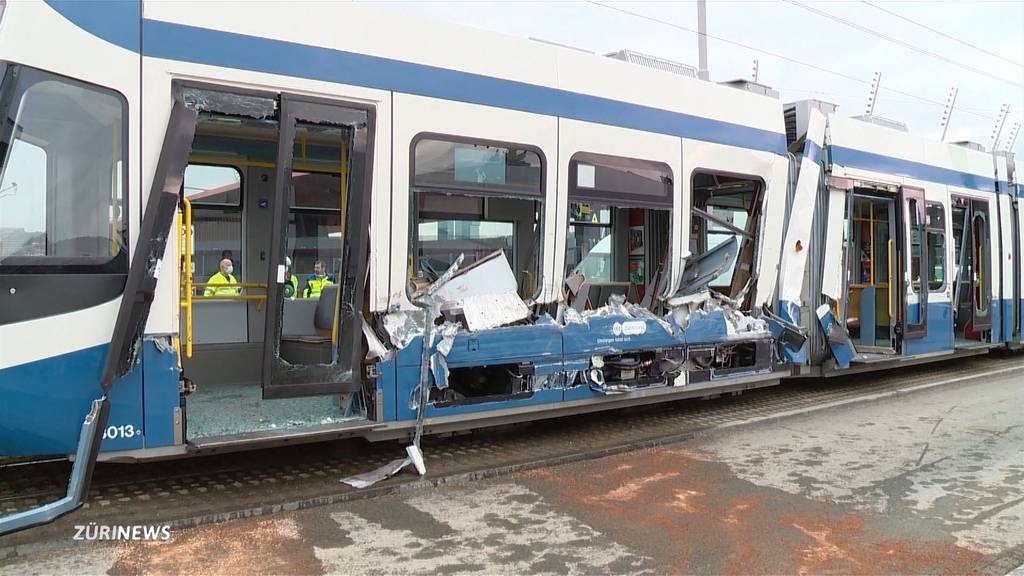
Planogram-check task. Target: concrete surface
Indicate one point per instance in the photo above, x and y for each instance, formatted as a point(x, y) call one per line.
point(929, 482)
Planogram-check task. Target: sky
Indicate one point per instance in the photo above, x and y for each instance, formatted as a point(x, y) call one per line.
point(915, 86)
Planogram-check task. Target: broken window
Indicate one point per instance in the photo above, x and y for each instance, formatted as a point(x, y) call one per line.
point(618, 226)
point(725, 218)
point(471, 198)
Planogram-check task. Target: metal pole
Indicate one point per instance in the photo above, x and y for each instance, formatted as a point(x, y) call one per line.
point(1000, 121)
point(876, 84)
point(1012, 138)
point(702, 39)
point(948, 113)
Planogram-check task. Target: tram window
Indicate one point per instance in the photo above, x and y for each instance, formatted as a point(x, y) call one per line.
point(314, 233)
point(589, 246)
point(731, 207)
point(213, 185)
point(471, 198)
point(936, 230)
point(61, 202)
point(216, 196)
point(915, 244)
point(618, 224)
point(476, 166)
point(441, 241)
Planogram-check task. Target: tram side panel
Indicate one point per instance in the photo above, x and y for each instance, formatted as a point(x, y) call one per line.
point(64, 270)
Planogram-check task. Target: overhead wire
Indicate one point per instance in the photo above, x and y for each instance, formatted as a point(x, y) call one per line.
point(940, 33)
point(779, 56)
point(902, 43)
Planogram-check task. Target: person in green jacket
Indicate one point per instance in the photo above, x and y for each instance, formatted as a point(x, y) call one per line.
point(316, 281)
point(222, 280)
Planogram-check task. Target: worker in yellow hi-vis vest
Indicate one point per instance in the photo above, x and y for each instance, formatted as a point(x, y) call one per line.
point(316, 281)
point(222, 280)
point(291, 282)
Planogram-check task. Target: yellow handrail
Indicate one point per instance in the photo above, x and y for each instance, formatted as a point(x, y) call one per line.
point(262, 285)
point(892, 281)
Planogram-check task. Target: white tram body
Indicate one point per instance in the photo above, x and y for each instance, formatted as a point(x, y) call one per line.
point(629, 235)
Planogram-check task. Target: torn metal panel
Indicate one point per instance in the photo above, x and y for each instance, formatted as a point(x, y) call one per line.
point(375, 348)
point(701, 270)
point(836, 336)
point(484, 311)
point(832, 273)
point(438, 361)
point(367, 479)
point(403, 326)
point(707, 316)
point(797, 241)
point(487, 276)
point(439, 370)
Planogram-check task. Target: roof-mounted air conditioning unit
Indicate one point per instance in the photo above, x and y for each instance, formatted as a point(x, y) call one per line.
point(648, 61)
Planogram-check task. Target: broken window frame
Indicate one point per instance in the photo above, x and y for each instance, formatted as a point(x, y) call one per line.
point(617, 199)
point(482, 192)
point(759, 199)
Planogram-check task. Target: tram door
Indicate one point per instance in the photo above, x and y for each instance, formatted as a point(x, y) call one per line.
point(972, 289)
point(1015, 258)
point(871, 310)
point(312, 340)
point(913, 264)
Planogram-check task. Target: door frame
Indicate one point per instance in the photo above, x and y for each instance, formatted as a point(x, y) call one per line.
point(279, 379)
point(1014, 251)
point(984, 254)
point(873, 193)
point(906, 330)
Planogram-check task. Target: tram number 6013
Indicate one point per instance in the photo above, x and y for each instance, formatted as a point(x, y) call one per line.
point(123, 431)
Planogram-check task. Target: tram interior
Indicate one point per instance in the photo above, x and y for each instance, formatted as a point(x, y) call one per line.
point(727, 208)
point(619, 226)
point(870, 306)
point(230, 184)
point(617, 251)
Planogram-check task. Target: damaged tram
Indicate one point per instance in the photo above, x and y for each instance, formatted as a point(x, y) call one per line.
point(566, 232)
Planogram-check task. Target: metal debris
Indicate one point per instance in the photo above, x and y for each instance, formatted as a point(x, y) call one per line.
point(403, 326)
point(376, 348)
point(367, 479)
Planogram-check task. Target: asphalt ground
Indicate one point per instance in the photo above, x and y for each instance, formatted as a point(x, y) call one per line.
point(557, 466)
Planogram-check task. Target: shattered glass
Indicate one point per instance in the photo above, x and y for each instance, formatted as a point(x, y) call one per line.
point(200, 100)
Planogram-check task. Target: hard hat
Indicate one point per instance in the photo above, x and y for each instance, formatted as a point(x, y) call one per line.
point(288, 261)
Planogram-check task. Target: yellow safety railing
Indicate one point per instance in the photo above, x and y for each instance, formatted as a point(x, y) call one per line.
point(258, 298)
point(892, 281)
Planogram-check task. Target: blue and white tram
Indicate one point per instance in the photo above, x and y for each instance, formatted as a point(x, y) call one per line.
point(215, 235)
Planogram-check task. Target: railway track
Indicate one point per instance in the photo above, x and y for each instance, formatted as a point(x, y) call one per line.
point(208, 489)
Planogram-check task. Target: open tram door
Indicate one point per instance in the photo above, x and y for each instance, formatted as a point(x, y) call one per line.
point(972, 293)
point(913, 263)
point(871, 311)
point(313, 339)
